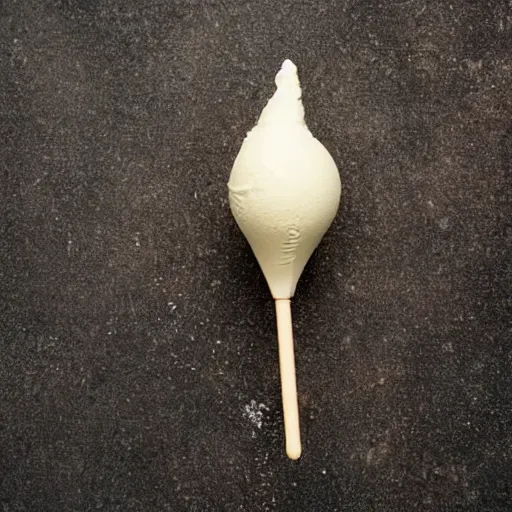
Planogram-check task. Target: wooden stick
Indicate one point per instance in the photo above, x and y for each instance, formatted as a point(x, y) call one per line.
point(288, 381)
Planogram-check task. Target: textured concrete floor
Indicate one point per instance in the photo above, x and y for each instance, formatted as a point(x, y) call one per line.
point(138, 361)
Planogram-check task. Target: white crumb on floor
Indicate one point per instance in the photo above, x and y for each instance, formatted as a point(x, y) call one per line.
point(254, 412)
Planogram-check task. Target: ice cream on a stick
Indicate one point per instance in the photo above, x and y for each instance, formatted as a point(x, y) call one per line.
point(284, 191)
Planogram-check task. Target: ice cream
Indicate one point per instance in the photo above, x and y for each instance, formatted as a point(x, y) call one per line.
point(284, 191)
point(284, 188)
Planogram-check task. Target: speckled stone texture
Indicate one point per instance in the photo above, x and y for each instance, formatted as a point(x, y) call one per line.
point(138, 360)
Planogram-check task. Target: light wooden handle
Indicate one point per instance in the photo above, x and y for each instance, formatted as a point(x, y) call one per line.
point(288, 381)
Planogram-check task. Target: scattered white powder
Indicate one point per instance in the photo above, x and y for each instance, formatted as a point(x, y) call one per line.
point(254, 412)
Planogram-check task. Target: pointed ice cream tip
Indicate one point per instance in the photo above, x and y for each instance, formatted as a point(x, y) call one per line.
point(287, 80)
point(285, 106)
point(289, 65)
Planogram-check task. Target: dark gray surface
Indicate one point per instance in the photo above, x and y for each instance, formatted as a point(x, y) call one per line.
point(136, 329)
